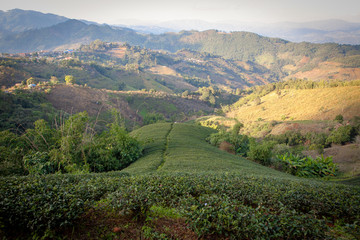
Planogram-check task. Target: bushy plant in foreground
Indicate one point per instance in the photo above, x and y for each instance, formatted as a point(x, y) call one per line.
point(214, 215)
point(52, 202)
point(225, 205)
point(308, 166)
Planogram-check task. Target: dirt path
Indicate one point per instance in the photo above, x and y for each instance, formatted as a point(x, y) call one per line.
point(165, 151)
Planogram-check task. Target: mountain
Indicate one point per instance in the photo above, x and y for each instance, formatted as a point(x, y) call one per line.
point(69, 32)
point(325, 31)
point(275, 58)
point(17, 20)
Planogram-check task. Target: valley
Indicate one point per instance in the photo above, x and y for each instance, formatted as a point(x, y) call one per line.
point(108, 133)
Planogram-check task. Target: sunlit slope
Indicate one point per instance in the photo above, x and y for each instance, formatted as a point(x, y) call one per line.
point(179, 147)
point(307, 104)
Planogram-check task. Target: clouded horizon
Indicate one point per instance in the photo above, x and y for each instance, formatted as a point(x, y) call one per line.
point(262, 11)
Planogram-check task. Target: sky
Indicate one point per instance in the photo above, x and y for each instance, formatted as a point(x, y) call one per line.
point(262, 11)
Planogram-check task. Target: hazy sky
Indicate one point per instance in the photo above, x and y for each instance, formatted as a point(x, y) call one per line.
point(109, 11)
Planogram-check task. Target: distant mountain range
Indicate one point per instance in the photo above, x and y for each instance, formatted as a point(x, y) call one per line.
point(333, 30)
point(281, 58)
point(17, 20)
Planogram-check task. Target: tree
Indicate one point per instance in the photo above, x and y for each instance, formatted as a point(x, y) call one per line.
point(69, 79)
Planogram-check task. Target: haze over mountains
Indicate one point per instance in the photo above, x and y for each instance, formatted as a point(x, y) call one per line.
point(332, 30)
point(338, 31)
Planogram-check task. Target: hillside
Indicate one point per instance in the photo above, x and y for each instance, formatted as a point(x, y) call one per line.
point(182, 187)
point(17, 20)
point(133, 106)
point(306, 104)
point(65, 33)
point(181, 148)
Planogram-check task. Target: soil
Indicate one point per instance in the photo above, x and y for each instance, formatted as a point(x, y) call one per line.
point(97, 224)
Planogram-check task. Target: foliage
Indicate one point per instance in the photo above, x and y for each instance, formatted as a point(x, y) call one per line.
point(307, 166)
point(154, 117)
point(19, 110)
point(12, 150)
point(112, 150)
point(232, 205)
point(261, 152)
point(69, 79)
point(221, 195)
point(37, 204)
point(239, 142)
point(39, 163)
point(339, 118)
point(342, 135)
point(72, 147)
point(290, 138)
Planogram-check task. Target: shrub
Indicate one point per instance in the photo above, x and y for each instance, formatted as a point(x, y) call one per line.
point(261, 152)
point(233, 206)
point(291, 138)
point(113, 150)
point(316, 138)
point(339, 118)
point(240, 143)
point(213, 215)
point(39, 163)
point(307, 166)
point(342, 135)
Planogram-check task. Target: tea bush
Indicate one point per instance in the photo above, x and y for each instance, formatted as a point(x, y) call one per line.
point(232, 205)
point(38, 203)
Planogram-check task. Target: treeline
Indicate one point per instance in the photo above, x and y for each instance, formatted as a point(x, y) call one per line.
point(72, 146)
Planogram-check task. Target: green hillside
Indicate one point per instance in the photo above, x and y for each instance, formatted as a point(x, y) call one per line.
point(181, 148)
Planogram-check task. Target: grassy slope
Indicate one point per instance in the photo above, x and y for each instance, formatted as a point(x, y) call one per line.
point(315, 104)
point(182, 148)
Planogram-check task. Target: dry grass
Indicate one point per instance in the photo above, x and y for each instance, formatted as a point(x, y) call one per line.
point(328, 70)
point(117, 52)
point(302, 127)
point(311, 104)
point(163, 70)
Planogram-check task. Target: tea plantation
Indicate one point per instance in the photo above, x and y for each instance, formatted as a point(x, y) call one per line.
point(193, 189)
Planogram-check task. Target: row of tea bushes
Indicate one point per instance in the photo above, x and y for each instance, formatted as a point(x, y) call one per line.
point(237, 206)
